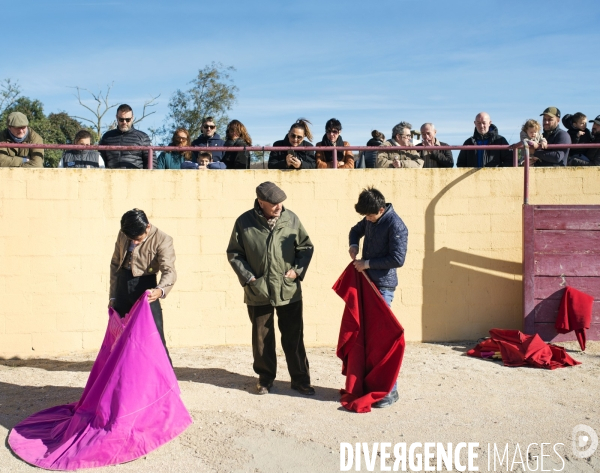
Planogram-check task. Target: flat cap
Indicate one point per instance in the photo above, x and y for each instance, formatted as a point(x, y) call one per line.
point(596, 120)
point(270, 193)
point(17, 119)
point(552, 111)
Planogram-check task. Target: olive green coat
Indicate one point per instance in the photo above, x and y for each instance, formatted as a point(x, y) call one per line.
point(257, 251)
point(13, 157)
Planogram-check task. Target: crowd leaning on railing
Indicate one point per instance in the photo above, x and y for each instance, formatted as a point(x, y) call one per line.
point(408, 148)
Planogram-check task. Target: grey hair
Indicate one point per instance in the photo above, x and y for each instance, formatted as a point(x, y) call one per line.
point(430, 124)
point(397, 130)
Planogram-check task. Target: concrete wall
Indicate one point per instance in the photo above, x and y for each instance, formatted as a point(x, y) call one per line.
point(462, 274)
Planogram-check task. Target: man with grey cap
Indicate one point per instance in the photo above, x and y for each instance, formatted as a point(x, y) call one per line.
point(18, 131)
point(555, 136)
point(269, 251)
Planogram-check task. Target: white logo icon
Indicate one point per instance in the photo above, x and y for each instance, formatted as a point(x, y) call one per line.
point(584, 437)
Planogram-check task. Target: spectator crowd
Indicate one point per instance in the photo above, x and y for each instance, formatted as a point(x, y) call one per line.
point(535, 136)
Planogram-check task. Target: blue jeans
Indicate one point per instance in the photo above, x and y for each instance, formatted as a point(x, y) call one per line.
point(388, 296)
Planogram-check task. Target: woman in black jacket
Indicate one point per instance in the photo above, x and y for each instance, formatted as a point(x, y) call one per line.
point(290, 158)
point(238, 136)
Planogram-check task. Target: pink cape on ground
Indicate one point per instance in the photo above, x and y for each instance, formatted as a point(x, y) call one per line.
point(129, 407)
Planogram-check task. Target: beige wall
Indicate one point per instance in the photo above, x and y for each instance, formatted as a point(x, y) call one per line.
point(462, 274)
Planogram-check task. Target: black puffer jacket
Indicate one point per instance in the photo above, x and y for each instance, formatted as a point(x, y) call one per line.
point(128, 159)
point(576, 138)
point(384, 245)
point(492, 157)
point(236, 159)
point(277, 158)
point(592, 155)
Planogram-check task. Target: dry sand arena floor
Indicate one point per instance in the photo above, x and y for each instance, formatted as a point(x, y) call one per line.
point(445, 396)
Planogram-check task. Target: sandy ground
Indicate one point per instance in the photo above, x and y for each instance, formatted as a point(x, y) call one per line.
point(445, 396)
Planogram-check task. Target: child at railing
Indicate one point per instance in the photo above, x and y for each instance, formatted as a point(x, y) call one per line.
point(530, 131)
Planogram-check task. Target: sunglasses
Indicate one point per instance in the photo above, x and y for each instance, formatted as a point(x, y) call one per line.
point(333, 131)
point(296, 137)
point(124, 119)
point(209, 127)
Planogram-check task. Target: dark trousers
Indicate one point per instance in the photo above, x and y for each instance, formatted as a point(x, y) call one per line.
point(129, 290)
point(291, 326)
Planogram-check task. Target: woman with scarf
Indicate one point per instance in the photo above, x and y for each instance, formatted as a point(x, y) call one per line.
point(174, 159)
point(294, 159)
point(237, 136)
point(332, 137)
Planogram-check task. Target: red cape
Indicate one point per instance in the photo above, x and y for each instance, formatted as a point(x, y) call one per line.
point(575, 313)
point(518, 349)
point(371, 343)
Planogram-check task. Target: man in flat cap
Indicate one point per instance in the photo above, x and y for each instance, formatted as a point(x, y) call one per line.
point(18, 131)
point(554, 136)
point(269, 251)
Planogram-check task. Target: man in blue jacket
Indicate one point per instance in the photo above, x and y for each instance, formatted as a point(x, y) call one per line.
point(209, 138)
point(555, 136)
point(384, 250)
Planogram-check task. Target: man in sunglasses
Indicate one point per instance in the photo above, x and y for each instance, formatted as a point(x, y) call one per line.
point(208, 138)
point(126, 135)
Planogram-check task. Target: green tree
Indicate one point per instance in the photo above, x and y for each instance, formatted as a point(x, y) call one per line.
point(212, 93)
point(9, 92)
point(56, 128)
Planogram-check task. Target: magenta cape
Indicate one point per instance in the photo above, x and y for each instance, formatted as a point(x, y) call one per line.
point(371, 342)
point(129, 407)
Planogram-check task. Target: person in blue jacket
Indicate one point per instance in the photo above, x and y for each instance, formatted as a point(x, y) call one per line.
point(208, 139)
point(384, 250)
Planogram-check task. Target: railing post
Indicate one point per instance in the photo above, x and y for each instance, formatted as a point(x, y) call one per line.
point(150, 158)
point(334, 158)
point(526, 166)
point(515, 157)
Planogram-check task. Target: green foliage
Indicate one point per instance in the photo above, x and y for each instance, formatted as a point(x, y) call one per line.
point(56, 128)
point(9, 91)
point(212, 93)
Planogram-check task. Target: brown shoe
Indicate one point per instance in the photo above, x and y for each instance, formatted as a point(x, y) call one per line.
point(303, 388)
point(263, 388)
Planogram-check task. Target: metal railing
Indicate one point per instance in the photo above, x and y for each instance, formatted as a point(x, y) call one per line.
point(513, 148)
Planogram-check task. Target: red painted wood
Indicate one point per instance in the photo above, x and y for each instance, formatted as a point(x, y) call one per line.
point(561, 246)
point(552, 287)
point(548, 333)
point(567, 265)
point(547, 310)
point(528, 270)
point(568, 218)
point(566, 241)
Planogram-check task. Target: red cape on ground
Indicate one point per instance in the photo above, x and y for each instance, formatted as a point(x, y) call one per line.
point(518, 349)
point(575, 313)
point(371, 342)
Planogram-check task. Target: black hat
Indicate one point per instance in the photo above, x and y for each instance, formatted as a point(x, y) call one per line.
point(596, 120)
point(270, 193)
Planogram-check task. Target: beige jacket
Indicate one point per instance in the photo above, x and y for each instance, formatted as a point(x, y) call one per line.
point(407, 158)
point(13, 157)
point(155, 253)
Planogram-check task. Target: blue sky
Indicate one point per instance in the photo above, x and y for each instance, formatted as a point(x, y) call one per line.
point(369, 64)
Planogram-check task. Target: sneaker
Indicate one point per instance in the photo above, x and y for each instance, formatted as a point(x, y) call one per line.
point(303, 388)
point(387, 401)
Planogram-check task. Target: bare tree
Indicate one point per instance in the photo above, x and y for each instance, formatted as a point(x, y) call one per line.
point(103, 106)
point(9, 92)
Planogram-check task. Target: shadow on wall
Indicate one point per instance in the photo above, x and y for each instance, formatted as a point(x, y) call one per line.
point(465, 295)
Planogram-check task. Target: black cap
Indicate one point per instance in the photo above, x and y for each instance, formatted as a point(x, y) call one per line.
point(596, 120)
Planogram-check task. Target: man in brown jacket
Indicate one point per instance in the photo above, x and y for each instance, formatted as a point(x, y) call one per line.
point(140, 252)
point(18, 131)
